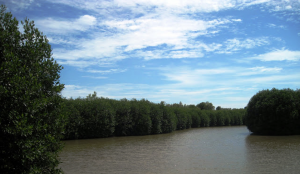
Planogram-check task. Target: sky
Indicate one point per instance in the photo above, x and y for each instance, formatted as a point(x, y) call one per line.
point(189, 51)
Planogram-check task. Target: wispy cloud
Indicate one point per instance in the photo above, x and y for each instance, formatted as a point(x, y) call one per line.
point(186, 77)
point(95, 77)
point(143, 6)
point(77, 63)
point(174, 6)
point(278, 55)
point(259, 70)
point(82, 23)
point(275, 26)
point(292, 79)
point(16, 5)
point(233, 45)
point(132, 36)
point(264, 69)
point(106, 71)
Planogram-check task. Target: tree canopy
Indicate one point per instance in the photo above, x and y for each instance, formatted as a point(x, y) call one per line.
point(31, 123)
point(206, 106)
point(274, 112)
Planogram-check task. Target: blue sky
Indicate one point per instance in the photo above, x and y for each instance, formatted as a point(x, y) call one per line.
point(221, 51)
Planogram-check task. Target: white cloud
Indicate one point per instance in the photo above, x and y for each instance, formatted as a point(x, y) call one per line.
point(138, 6)
point(132, 36)
point(264, 69)
point(252, 2)
point(292, 79)
point(275, 26)
point(292, 5)
point(16, 5)
point(259, 70)
point(232, 45)
point(185, 77)
point(152, 31)
point(237, 20)
point(107, 71)
point(77, 63)
point(172, 6)
point(168, 54)
point(278, 55)
point(96, 77)
point(57, 40)
point(288, 7)
point(50, 25)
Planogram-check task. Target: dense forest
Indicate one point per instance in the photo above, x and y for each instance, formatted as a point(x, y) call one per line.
point(95, 117)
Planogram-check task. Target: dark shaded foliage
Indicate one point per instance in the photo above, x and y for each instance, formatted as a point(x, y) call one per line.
point(94, 117)
point(31, 122)
point(274, 112)
point(206, 106)
point(156, 115)
point(169, 120)
point(140, 113)
point(124, 124)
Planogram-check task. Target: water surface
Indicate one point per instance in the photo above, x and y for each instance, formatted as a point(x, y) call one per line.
point(199, 150)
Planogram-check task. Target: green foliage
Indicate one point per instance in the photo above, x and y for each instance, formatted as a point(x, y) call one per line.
point(31, 123)
point(95, 117)
point(195, 117)
point(74, 120)
point(181, 116)
point(220, 118)
point(206, 106)
point(140, 113)
point(92, 117)
point(169, 120)
point(156, 119)
point(205, 119)
point(274, 112)
point(212, 118)
point(123, 118)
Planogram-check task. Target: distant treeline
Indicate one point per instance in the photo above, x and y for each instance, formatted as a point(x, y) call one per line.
point(94, 117)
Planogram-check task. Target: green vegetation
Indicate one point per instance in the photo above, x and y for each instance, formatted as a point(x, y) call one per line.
point(94, 117)
point(206, 106)
point(274, 112)
point(31, 122)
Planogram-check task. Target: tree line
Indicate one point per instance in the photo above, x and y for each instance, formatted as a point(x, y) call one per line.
point(97, 117)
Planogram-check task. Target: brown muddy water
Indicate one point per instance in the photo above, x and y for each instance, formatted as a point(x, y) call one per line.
point(199, 150)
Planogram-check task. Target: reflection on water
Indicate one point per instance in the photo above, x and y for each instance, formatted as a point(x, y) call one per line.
point(201, 150)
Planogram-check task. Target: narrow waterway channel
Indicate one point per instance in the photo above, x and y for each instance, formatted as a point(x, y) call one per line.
point(198, 150)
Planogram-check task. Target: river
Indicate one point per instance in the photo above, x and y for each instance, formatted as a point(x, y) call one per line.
point(193, 151)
